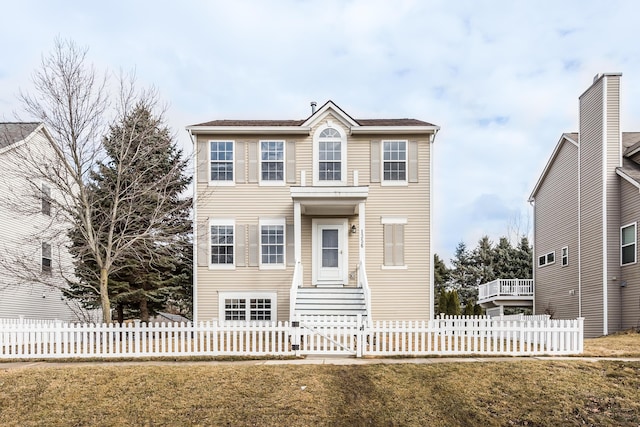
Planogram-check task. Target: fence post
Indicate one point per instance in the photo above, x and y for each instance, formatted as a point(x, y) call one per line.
point(295, 336)
point(580, 335)
point(359, 336)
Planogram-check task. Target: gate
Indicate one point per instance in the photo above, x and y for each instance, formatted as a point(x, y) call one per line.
point(328, 335)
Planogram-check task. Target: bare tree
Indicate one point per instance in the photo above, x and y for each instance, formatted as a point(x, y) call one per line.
point(74, 102)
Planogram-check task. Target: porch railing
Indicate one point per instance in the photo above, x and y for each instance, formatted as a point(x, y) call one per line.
point(505, 287)
point(364, 284)
point(296, 283)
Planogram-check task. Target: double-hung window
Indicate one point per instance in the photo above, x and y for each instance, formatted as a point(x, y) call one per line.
point(628, 238)
point(272, 161)
point(46, 257)
point(46, 199)
point(222, 243)
point(565, 256)
point(330, 152)
point(272, 243)
point(247, 306)
point(394, 161)
point(221, 158)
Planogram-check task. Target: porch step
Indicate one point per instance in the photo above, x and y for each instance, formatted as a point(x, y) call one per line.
point(330, 302)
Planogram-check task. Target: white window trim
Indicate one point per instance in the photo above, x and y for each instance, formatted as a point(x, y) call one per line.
point(396, 183)
point(233, 164)
point(316, 155)
point(273, 221)
point(635, 243)
point(394, 220)
point(45, 198)
point(284, 164)
point(248, 295)
point(42, 269)
point(564, 256)
point(546, 259)
point(223, 221)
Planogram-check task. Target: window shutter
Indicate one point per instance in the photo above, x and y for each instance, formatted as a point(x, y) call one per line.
point(202, 157)
point(254, 252)
point(253, 161)
point(240, 162)
point(241, 251)
point(291, 162)
point(291, 248)
point(388, 244)
point(203, 244)
point(375, 161)
point(398, 240)
point(413, 161)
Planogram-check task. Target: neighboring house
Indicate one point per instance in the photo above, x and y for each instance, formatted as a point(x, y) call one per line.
point(586, 212)
point(30, 277)
point(327, 215)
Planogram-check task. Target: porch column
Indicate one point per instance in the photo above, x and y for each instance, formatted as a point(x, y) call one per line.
point(361, 220)
point(297, 229)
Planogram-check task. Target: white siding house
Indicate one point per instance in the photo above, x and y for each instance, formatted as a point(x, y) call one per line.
point(32, 251)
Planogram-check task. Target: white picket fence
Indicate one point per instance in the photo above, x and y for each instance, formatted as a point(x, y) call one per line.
point(328, 335)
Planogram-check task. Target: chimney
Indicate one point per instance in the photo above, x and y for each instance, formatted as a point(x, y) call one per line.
point(314, 104)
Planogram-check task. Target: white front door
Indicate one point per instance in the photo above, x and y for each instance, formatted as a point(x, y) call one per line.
point(330, 257)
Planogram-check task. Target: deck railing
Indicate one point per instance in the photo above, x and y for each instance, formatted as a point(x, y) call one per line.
point(506, 287)
point(456, 335)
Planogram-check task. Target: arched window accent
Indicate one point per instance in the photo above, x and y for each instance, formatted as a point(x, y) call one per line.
point(330, 156)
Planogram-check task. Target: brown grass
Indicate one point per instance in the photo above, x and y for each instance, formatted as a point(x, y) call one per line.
point(622, 344)
point(489, 394)
point(532, 392)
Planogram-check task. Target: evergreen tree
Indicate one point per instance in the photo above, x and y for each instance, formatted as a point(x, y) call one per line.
point(156, 267)
point(440, 278)
point(523, 263)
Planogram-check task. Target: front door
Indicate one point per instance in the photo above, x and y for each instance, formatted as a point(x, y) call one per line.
point(330, 251)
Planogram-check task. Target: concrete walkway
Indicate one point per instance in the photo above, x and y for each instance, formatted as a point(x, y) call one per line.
point(310, 360)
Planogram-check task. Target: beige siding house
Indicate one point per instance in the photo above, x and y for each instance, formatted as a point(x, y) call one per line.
point(586, 208)
point(327, 215)
point(31, 253)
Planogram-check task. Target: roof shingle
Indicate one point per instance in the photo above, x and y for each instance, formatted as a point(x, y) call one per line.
point(12, 132)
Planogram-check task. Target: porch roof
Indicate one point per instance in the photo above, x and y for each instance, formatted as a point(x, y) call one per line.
point(329, 200)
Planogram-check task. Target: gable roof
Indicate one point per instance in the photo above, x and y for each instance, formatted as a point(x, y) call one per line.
point(572, 138)
point(304, 126)
point(12, 132)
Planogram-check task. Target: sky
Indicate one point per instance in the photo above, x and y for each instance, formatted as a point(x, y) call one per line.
point(501, 78)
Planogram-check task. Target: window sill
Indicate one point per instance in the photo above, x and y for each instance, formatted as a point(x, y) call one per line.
point(272, 267)
point(394, 267)
point(272, 183)
point(222, 267)
point(394, 183)
point(222, 183)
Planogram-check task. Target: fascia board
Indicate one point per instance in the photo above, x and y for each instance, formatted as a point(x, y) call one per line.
point(246, 130)
point(627, 178)
point(329, 105)
point(394, 129)
point(546, 169)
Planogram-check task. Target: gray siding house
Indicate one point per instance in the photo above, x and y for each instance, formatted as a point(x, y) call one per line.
point(31, 258)
point(586, 211)
point(326, 215)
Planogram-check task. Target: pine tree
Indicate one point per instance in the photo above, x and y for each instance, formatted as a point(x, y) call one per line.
point(141, 154)
point(440, 278)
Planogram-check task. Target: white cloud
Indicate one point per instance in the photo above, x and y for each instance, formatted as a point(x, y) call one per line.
point(501, 78)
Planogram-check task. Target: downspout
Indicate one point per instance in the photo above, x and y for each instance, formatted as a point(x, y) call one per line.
point(605, 220)
point(532, 202)
point(194, 226)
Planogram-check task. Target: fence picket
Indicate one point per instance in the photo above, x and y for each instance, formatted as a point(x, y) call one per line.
point(524, 335)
